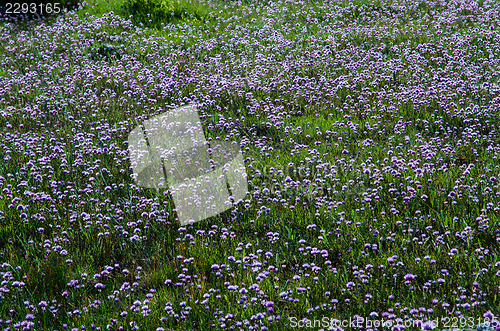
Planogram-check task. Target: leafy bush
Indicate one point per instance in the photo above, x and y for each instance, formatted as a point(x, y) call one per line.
point(154, 12)
point(68, 4)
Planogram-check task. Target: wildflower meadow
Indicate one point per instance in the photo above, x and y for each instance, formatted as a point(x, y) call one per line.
point(370, 136)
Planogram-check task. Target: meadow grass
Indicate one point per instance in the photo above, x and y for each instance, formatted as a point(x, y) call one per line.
point(371, 150)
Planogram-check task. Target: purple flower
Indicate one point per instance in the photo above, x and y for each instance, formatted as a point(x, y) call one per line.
point(429, 325)
point(488, 315)
point(410, 277)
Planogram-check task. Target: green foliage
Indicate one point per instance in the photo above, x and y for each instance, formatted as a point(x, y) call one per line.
point(154, 12)
point(402, 128)
point(68, 4)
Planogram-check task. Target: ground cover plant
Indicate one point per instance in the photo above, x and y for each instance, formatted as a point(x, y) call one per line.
point(370, 132)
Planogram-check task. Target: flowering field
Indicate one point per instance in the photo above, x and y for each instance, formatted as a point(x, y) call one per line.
point(370, 133)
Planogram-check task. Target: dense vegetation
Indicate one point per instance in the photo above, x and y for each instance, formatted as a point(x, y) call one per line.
point(370, 135)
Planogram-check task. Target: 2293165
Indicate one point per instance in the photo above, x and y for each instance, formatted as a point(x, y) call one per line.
point(32, 8)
